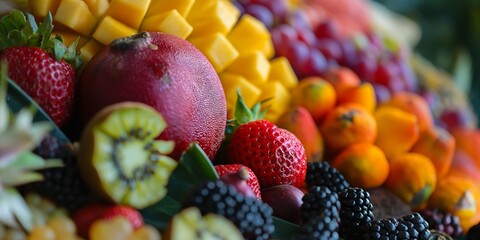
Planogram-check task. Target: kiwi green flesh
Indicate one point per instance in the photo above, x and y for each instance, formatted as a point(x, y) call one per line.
point(132, 166)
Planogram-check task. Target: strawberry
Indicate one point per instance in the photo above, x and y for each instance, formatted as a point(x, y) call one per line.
point(252, 181)
point(42, 66)
point(275, 155)
point(87, 215)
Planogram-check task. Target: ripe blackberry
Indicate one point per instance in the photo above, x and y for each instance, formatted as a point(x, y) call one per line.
point(320, 227)
point(252, 217)
point(323, 174)
point(443, 221)
point(411, 226)
point(474, 232)
point(355, 212)
point(63, 185)
point(320, 202)
point(415, 226)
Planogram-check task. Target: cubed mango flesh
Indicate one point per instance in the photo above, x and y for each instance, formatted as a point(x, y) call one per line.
point(76, 15)
point(217, 49)
point(110, 29)
point(97, 7)
point(219, 19)
point(249, 35)
point(268, 49)
point(41, 8)
point(282, 71)
point(279, 99)
point(231, 83)
point(90, 49)
point(129, 12)
point(160, 6)
point(254, 66)
point(170, 22)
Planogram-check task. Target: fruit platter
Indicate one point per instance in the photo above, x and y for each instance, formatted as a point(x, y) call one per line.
point(229, 119)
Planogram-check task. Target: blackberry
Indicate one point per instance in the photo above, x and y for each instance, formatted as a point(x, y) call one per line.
point(320, 202)
point(411, 226)
point(323, 174)
point(252, 217)
point(474, 232)
point(63, 185)
point(443, 221)
point(355, 212)
point(320, 228)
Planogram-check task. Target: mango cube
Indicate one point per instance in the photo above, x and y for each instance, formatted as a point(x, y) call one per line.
point(279, 99)
point(170, 22)
point(110, 29)
point(217, 49)
point(231, 83)
point(254, 67)
point(76, 15)
point(42, 7)
point(129, 12)
point(90, 49)
point(249, 35)
point(282, 71)
point(160, 6)
point(268, 49)
point(219, 19)
point(97, 7)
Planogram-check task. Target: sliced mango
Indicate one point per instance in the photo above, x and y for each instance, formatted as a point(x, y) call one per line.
point(220, 18)
point(282, 71)
point(232, 82)
point(110, 29)
point(41, 8)
point(249, 35)
point(255, 67)
point(279, 99)
point(170, 22)
point(76, 15)
point(90, 49)
point(217, 49)
point(97, 7)
point(129, 12)
point(159, 6)
point(268, 49)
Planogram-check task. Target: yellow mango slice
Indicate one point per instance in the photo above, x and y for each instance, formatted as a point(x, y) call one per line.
point(268, 49)
point(279, 99)
point(110, 29)
point(220, 18)
point(170, 22)
point(160, 6)
point(282, 71)
point(41, 8)
point(254, 67)
point(129, 12)
point(232, 82)
point(217, 49)
point(97, 7)
point(76, 15)
point(90, 49)
point(249, 35)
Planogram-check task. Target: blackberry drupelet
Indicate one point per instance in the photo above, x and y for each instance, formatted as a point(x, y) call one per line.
point(443, 221)
point(320, 228)
point(320, 202)
point(64, 185)
point(323, 174)
point(252, 217)
point(416, 227)
point(411, 226)
point(356, 211)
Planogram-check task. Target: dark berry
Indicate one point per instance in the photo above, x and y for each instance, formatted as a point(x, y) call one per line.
point(323, 174)
point(443, 221)
point(320, 227)
point(320, 202)
point(356, 211)
point(474, 232)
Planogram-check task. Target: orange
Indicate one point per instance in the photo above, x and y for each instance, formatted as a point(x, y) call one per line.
point(316, 95)
point(363, 165)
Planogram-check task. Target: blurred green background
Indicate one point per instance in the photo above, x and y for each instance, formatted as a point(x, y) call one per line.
point(450, 38)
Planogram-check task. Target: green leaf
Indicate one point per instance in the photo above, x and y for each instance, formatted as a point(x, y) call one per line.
point(13, 208)
point(284, 229)
point(194, 167)
point(31, 161)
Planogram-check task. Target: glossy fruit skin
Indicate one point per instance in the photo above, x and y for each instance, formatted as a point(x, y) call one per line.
point(252, 178)
point(131, 214)
point(167, 73)
point(50, 83)
point(275, 155)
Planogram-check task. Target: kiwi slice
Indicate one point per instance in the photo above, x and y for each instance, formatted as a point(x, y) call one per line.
point(119, 157)
point(190, 224)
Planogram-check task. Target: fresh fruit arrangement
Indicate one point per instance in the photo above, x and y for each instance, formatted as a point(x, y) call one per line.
point(217, 119)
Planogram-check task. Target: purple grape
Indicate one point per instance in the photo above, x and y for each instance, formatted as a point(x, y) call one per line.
point(278, 8)
point(330, 48)
point(316, 64)
point(382, 94)
point(297, 53)
point(261, 13)
point(327, 29)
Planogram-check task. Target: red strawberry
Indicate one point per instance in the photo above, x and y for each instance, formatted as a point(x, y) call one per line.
point(40, 65)
point(275, 155)
point(252, 178)
point(86, 216)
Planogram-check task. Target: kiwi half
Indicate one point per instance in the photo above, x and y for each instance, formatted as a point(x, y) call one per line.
point(119, 157)
point(190, 224)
